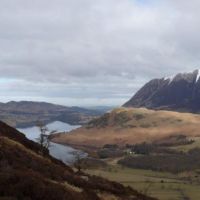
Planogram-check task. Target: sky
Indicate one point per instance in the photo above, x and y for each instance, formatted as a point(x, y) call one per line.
point(93, 52)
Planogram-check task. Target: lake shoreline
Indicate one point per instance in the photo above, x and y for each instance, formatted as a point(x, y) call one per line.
point(65, 153)
point(90, 150)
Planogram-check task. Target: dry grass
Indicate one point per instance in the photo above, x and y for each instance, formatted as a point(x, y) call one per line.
point(13, 144)
point(140, 125)
point(106, 196)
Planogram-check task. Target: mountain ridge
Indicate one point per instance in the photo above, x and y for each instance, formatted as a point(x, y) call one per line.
point(180, 92)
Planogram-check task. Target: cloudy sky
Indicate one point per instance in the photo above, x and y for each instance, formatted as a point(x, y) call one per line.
point(93, 52)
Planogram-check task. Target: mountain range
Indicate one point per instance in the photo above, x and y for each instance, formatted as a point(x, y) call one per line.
point(180, 92)
point(28, 113)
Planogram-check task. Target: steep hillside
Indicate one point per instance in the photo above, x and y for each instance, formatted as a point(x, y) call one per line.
point(179, 93)
point(26, 174)
point(132, 125)
point(27, 113)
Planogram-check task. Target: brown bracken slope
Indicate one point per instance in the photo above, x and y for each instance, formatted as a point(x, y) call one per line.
point(26, 174)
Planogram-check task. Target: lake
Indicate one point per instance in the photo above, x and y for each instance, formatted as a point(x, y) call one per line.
point(61, 152)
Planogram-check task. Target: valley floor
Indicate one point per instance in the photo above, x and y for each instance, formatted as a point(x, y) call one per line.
point(162, 185)
point(164, 141)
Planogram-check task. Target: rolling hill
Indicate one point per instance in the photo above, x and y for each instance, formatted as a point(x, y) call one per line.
point(27, 113)
point(130, 126)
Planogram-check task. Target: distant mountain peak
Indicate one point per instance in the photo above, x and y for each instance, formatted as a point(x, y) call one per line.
point(169, 78)
point(180, 92)
point(198, 75)
point(185, 76)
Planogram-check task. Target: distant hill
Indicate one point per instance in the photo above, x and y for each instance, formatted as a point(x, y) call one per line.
point(130, 126)
point(26, 173)
point(180, 92)
point(27, 113)
point(102, 109)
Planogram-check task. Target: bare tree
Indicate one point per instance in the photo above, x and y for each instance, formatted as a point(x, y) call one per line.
point(77, 160)
point(44, 137)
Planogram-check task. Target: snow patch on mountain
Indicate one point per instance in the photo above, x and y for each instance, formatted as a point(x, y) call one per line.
point(198, 76)
point(169, 78)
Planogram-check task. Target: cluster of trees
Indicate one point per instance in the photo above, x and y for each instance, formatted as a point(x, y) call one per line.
point(143, 148)
point(174, 163)
point(163, 148)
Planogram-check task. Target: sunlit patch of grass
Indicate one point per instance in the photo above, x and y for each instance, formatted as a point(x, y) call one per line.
point(72, 187)
point(13, 144)
point(106, 196)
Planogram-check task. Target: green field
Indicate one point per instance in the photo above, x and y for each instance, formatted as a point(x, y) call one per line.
point(164, 186)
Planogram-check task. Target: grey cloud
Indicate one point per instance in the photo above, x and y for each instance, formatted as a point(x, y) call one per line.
point(99, 49)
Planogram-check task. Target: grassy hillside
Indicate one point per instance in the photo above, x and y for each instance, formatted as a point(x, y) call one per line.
point(25, 173)
point(130, 126)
